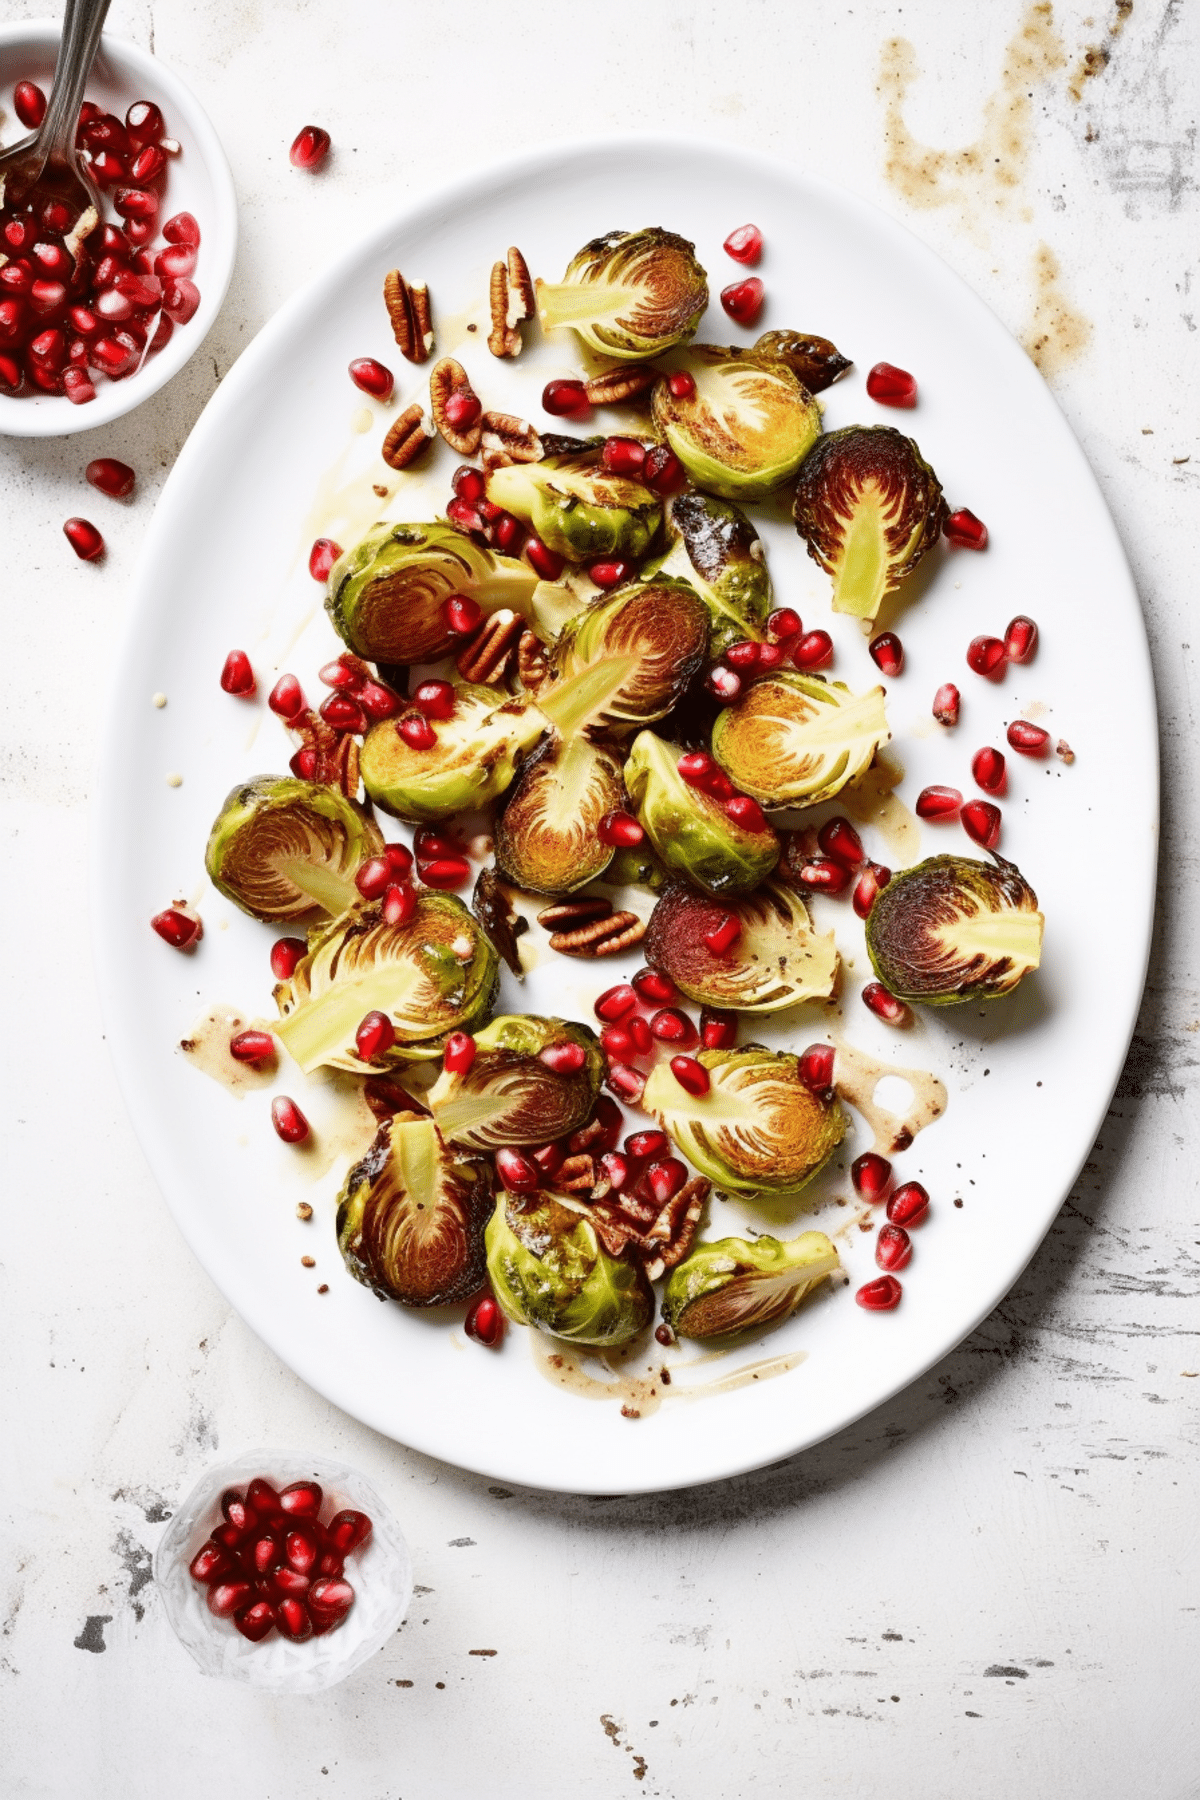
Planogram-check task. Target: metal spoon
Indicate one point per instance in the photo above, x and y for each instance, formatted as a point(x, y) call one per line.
point(46, 160)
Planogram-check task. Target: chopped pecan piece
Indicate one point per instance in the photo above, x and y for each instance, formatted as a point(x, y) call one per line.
point(576, 1175)
point(619, 383)
point(407, 437)
point(657, 1237)
point(491, 907)
point(446, 378)
point(511, 299)
point(486, 656)
point(533, 665)
point(336, 752)
point(408, 310)
point(603, 937)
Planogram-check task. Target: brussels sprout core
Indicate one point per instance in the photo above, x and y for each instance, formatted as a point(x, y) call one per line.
point(796, 739)
point(747, 427)
point(738, 1285)
point(411, 1216)
point(547, 1268)
point(870, 507)
point(777, 959)
point(626, 660)
point(281, 848)
point(577, 507)
point(954, 929)
point(689, 830)
point(629, 294)
point(547, 838)
point(473, 759)
point(509, 1095)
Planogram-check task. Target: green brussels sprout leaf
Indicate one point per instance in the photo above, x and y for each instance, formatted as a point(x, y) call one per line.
point(718, 550)
point(629, 294)
point(473, 761)
point(794, 740)
point(746, 429)
point(954, 929)
point(779, 960)
point(509, 1095)
point(627, 659)
point(546, 838)
point(739, 1285)
point(577, 507)
point(547, 1269)
point(282, 848)
point(690, 831)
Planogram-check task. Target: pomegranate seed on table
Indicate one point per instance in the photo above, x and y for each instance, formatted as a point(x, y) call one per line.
point(745, 244)
point(874, 877)
point(469, 484)
point(84, 539)
point(429, 844)
point(610, 572)
point(885, 1006)
point(516, 1171)
point(745, 812)
point(237, 676)
point(880, 1295)
point(181, 930)
point(838, 838)
point(459, 1052)
point(417, 732)
point(1021, 639)
point(664, 1179)
point(670, 1026)
point(623, 456)
point(662, 471)
point(252, 1046)
point(286, 698)
point(546, 562)
point(812, 651)
point(893, 1248)
point(116, 479)
point(938, 803)
point(29, 104)
point(964, 530)
point(815, 1067)
point(742, 300)
point(629, 1083)
point(309, 148)
point(322, 557)
point(718, 1030)
point(615, 1002)
point(724, 935)
point(872, 1177)
point(484, 1322)
point(652, 986)
point(621, 830)
point(990, 770)
point(981, 822)
point(374, 378)
point(436, 699)
point(824, 876)
point(562, 397)
point(909, 1205)
point(374, 1037)
point(462, 614)
point(399, 859)
point(681, 384)
point(462, 410)
point(564, 1059)
point(987, 656)
point(691, 1075)
point(891, 386)
point(887, 652)
point(446, 872)
point(289, 1122)
point(399, 904)
point(286, 952)
point(1027, 739)
point(946, 703)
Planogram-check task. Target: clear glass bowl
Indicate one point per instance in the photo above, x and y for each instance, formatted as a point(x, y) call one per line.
point(380, 1573)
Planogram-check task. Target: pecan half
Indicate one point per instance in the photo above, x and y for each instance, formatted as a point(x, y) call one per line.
point(533, 665)
point(504, 433)
point(407, 437)
point(336, 752)
point(445, 378)
point(619, 383)
point(511, 300)
point(408, 310)
point(603, 937)
point(658, 1237)
point(576, 1175)
point(522, 301)
point(487, 655)
point(575, 912)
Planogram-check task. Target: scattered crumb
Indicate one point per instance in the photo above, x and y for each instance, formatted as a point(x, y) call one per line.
point(1189, 1374)
point(160, 700)
point(1064, 750)
point(379, 489)
point(324, 1288)
point(958, 1202)
point(472, 328)
point(1147, 431)
point(630, 1412)
point(1174, 459)
point(308, 1262)
point(481, 1653)
point(304, 1210)
point(174, 780)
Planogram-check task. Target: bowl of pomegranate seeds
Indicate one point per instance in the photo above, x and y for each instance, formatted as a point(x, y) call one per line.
point(283, 1571)
point(97, 313)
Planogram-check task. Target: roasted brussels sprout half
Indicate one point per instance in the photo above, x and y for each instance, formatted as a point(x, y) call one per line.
point(746, 429)
point(718, 550)
point(794, 740)
point(869, 506)
point(282, 848)
point(509, 1095)
point(690, 831)
point(629, 294)
point(815, 362)
point(636, 868)
point(738, 1285)
point(954, 929)
point(577, 507)
point(473, 761)
point(387, 594)
point(547, 838)
point(547, 1268)
point(627, 659)
point(432, 974)
point(411, 1216)
point(778, 959)
point(758, 1129)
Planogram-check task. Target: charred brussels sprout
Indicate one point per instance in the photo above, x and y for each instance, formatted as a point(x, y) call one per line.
point(547, 1269)
point(794, 740)
point(954, 929)
point(474, 759)
point(689, 830)
point(509, 1095)
point(869, 506)
point(636, 868)
point(547, 837)
point(412, 1214)
point(815, 362)
point(736, 1285)
point(778, 960)
point(746, 429)
point(281, 848)
point(720, 552)
point(577, 507)
point(629, 294)
point(387, 595)
point(432, 974)
point(758, 1130)
point(627, 659)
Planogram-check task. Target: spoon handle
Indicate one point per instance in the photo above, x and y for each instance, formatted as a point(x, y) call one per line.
point(83, 22)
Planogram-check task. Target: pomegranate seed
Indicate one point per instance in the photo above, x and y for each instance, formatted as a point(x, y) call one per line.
point(885, 1006)
point(825, 876)
point(147, 165)
point(909, 1205)
point(682, 385)
point(784, 624)
point(302, 1500)
point(745, 244)
point(516, 1171)
point(330, 1600)
point(815, 1067)
point(664, 1179)
point(237, 677)
point(742, 300)
point(981, 821)
point(11, 374)
point(301, 1551)
point(77, 387)
point(372, 377)
point(545, 562)
point(615, 1002)
point(377, 701)
point(446, 872)
point(670, 1026)
point(812, 651)
point(696, 767)
point(144, 123)
point(724, 935)
point(49, 349)
point(286, 698)
point(304, 764)
point(719, 786)
point(12, 314)
point(616, 1169)
point(550, 1159)
point(114, 359)
point(466, 518)
point(508, 534)
point(289, 1122)
point(880, 1295)
point(292, 1619)
point(266, 1553)
point(111, 477)
point(891, 386)
point(255, 1621)
point(893, 1247)
point(462, 614)
point(990, 770)
point(938, 803)
point(718, 1030)
point(348, 1531)
point(430, 844)
point(639, 1030)
point(652, 986)
point(462, 410)
point(746, 813)
point(262, 1497)
point(374, 1037)
point(866, 890)
point(85, 324)
point(872, 1177)
point(310, 148)
point(114, 306)
point(342, 713)
point(887, 652)
point(400, 860)
point(946, 703)
point(226, 1597)
point(987, 656)
point(180, 929)
point(1027, 739)
point(252, 1046)
point(55, 261)
point(459, 1052)
point(611, 572)
point(399, 904)
point(561, 397)
point(623, 456)
point(484, 1322)
point(691, 1075)
point(417, 732)
point(743, 656)
point(180, 300)
point(108, 170)
point(662, 471)
point(838, 838)
point(84, 539)
point(617, 1043)
point(56, 215)
point(286, 952)
point(621, 829)
point(135, 203)
point(436, 699)
point(629, 1083)
point(1021, 639)
point(724, 683)
point(210, 1563)
point(173, 263)
point(564, 1059)
point(29, 104)
point(322, 557)
point(182, 229)
point(964, 530)
point(469, 484)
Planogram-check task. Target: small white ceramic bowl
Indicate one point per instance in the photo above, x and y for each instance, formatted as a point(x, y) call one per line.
point(198, 181)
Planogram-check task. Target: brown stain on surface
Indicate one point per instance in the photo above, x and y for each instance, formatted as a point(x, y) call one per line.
point(1057, 333)
point(1096, 57)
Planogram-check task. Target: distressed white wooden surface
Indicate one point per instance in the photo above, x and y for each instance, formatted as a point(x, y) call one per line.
point(990, 1586)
